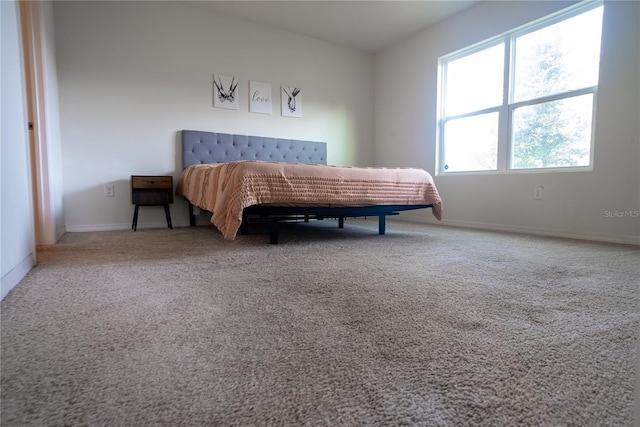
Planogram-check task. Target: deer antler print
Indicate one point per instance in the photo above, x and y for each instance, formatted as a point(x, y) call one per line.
point(226, 95)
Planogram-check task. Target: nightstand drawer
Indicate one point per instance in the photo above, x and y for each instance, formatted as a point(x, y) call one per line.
point(151, 189)
point(163, 182)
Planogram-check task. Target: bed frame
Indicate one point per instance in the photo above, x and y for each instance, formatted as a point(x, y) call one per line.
point(209, 147)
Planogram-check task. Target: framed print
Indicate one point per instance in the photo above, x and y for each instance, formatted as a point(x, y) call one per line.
point(260, 99)
point(225, 92)
point(291, 101)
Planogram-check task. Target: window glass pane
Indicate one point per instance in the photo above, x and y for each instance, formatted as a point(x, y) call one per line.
point(474, 82)
point(553, 134)
point(559, 58)
point(471, 143)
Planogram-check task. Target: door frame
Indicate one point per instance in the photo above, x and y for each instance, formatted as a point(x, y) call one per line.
point(44, 218)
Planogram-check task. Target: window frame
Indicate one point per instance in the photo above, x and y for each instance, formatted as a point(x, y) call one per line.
point(508, 106)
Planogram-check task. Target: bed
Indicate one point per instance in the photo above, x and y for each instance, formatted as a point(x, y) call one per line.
point(245, 180)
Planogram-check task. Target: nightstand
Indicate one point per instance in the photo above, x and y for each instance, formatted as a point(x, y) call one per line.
point(151, 190)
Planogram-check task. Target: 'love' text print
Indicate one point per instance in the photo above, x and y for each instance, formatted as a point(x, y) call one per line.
point(256, 96)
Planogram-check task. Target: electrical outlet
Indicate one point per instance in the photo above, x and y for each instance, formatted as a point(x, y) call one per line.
point(537, 192)
point(108, 190)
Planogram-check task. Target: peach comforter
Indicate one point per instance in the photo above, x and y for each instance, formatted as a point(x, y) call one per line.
point(225, 189)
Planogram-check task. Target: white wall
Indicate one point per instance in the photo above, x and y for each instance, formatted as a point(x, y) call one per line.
point(574, 203)
point(133, 74)
point(17, 241)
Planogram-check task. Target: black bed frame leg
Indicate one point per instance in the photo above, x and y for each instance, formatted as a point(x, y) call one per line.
point(273, 232)
point(381, 224)
point(341, 222)
point(192, 217)
point(244, 225)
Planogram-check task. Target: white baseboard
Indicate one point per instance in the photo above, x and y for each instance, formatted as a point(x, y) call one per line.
point(15, 275)
point(598, 237)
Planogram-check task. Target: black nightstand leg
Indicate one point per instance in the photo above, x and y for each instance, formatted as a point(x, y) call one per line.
point(167, 213)
point(134, 224)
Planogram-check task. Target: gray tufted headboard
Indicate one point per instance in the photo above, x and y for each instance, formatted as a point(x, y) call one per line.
point(210, 147)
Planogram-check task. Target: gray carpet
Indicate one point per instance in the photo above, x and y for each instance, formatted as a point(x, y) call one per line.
point(426, 325)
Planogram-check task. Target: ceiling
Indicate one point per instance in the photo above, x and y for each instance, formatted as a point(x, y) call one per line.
point(362, 24)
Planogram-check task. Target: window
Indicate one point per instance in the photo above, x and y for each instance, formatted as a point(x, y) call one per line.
point(524, 100)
